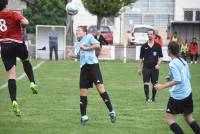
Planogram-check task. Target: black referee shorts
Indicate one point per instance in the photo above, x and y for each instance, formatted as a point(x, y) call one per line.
point(90, 73)
point(184, 106)
point(150, 74)
point(10, 51)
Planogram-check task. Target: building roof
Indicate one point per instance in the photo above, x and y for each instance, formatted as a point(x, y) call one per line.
point(185, 22)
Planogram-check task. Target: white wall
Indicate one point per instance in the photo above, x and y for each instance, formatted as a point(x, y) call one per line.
point(180, 5)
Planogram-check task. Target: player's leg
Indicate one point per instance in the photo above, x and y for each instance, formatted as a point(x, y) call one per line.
point(170, 119)
point(83, 105)
point(193, 124)
point(154, 81)
point(97, 78)
point(9, 60)
point(84, 84)
point(188, 109)
point(146, 80)
point(22, 53)
point(173, 108)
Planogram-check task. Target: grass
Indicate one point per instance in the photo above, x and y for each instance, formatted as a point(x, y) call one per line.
point(55, 110)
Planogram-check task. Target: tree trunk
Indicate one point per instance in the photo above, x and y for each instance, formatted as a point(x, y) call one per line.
point(99, 18)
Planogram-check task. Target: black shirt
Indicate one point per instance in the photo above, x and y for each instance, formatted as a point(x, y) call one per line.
point(150, 55)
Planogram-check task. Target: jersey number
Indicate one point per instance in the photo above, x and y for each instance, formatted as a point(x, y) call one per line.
point(3, 26)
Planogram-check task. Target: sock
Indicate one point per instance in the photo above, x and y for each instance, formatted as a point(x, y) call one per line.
point(176, 128)
point(153, 93)
point(12, 89)
point(28, 70)
point(83, 105)
point(146, 91)
point(107, 101)
point(195, 127)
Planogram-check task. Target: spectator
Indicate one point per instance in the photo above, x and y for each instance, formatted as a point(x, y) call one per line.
point(53, 43)
point(175, 37)
point(193, 49)
point(184, 50)
point(101, 40)
point(158, 39)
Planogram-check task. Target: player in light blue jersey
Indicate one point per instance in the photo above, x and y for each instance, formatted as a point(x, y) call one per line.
point(90, 72)
point(180, 101)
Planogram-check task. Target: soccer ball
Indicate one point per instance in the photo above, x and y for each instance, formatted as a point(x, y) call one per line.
point(72, 8)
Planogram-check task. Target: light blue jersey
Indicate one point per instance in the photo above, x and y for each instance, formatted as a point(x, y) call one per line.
point(179, 71)
point(88, 56)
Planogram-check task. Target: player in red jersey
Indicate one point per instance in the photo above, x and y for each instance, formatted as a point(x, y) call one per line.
point(12, 46)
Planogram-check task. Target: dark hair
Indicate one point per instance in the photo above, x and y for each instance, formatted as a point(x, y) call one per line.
point(84, 28)
point(154, 32)
point(173, 47)
point(3, 4)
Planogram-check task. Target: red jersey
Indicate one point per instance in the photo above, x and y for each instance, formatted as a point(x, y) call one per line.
point(10, 29)
point(193, 48)
point(159, 40)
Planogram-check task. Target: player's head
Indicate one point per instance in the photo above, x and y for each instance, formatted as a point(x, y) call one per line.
point(151, 34)
point(98, 32)
point(194, 39)
point(81, 31)
point(173, 49)
point(3, 4)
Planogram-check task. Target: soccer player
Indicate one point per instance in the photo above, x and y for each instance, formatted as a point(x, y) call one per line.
point(12, 46)
point(90, 72)
point(180, 101)
point(150, 57)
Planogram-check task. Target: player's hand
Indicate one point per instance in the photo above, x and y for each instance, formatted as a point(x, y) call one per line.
point(82, 47)
point(157, 67)
point(167, 78)
point(71, 55)
point(159, 87)
point(139, 71)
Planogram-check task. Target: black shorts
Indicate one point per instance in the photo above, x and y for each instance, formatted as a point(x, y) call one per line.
point(184, 106)
point(150, 74)
point(90, 73)
point(9, 52)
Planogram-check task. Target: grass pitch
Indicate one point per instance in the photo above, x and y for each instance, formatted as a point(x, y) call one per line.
point(55, 110)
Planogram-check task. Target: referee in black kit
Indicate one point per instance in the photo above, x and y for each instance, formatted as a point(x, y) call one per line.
point(150, 57)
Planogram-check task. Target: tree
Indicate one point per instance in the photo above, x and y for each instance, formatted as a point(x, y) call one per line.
point(45, 12)
point(105, 8)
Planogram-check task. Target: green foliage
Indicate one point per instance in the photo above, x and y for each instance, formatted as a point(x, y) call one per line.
point(105, 8)
point(45, 12)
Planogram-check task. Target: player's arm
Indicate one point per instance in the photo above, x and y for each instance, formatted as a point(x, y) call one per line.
point(159, 87)
point(24, 22)
point(140, 65)
point(92, 47)
point(71, 55)
point(158, 63)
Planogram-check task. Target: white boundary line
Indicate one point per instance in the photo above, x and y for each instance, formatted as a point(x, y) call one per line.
point(22, 75)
